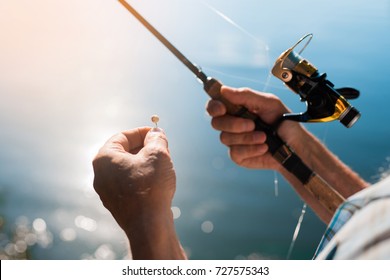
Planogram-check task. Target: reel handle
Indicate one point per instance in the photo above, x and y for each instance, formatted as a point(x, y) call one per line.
point(320, 189)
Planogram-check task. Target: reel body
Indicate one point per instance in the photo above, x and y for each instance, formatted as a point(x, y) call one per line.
point(324, 102)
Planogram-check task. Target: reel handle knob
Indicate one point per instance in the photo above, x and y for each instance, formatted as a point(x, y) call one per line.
point(348, 92)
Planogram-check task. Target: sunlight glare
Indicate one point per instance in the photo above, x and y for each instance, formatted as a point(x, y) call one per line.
point(39, 225)
point(85, 223)
point(176, 212)
point(207, 227)
point(68, 234)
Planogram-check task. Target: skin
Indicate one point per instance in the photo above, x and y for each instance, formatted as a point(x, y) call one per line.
point(247, 148)
point(136, 181)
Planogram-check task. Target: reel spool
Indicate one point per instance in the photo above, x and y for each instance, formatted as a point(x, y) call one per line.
point(324, 102)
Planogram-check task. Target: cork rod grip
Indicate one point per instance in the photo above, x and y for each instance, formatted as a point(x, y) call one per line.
point(324, 193)
point(213, 89)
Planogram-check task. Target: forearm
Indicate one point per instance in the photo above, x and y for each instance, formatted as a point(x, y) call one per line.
point(342, 178)
point(318, 158)
point(153, 236)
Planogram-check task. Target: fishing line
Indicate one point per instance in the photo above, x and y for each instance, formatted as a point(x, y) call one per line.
point(250, 35)
point(276, 183)
point(300, 220)
point(266, 84)
point(296, 231)
point(326, 130)
point(224, 74)
point(235, 24)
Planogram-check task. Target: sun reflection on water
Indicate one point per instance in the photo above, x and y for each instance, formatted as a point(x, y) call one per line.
point(85, 223)
point(25, 236)
point(68, 234)
point(176, 212)
point(207, 227)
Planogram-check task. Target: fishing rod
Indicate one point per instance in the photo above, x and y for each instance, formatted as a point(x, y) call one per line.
point(320, 189)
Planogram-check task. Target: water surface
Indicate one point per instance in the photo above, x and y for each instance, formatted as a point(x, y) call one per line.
point(76, 72)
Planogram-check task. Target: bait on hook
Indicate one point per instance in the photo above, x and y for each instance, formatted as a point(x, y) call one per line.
point(155, 119)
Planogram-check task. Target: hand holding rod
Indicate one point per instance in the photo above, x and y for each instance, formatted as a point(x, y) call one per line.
point(321, 190)
point(326, 195)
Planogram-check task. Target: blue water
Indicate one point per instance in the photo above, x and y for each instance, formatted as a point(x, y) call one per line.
point(74, 73)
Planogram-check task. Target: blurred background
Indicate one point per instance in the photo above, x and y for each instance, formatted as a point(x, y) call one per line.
point(72, 73)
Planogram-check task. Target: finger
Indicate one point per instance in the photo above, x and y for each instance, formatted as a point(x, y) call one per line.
point(248, 138)
point(265, 105)
point(241, 153)
point(232, 124)
point(215, 108)
point(244, 96)
point(129, 140)
point(157, 139)
point(257, 162)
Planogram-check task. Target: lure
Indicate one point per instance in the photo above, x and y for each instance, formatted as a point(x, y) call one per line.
point(155, 119)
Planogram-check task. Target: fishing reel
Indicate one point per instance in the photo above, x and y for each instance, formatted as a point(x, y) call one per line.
point(324, 102)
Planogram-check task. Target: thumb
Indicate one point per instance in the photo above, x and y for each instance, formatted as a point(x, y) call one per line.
point(267, 106)
point(156, 139)
point(243, 96)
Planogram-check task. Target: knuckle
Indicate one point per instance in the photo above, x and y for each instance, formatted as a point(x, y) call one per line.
point(244, 90)
point(215, 123)
point(99, 160)
point(156, 154)
point(223, 137)
point(235, 155)
point(248, 138)
point(275, 101)
point(209, 107)
point(215, 108)
point(155, 151)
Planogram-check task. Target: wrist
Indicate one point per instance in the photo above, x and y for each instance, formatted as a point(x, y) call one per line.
point(323, 162)
point(152, 235)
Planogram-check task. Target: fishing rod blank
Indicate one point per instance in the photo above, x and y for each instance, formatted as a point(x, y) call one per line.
point(326, 195)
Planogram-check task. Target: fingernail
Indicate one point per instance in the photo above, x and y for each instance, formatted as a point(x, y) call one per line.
point(157, 129)
point(248, 126)
point(258, 137)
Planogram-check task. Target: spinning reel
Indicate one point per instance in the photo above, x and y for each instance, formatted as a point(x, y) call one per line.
point(324, 102)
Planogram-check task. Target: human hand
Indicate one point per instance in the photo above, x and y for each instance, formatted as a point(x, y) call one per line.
point(135, 180)
point(134, 173)
point(247, 147)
